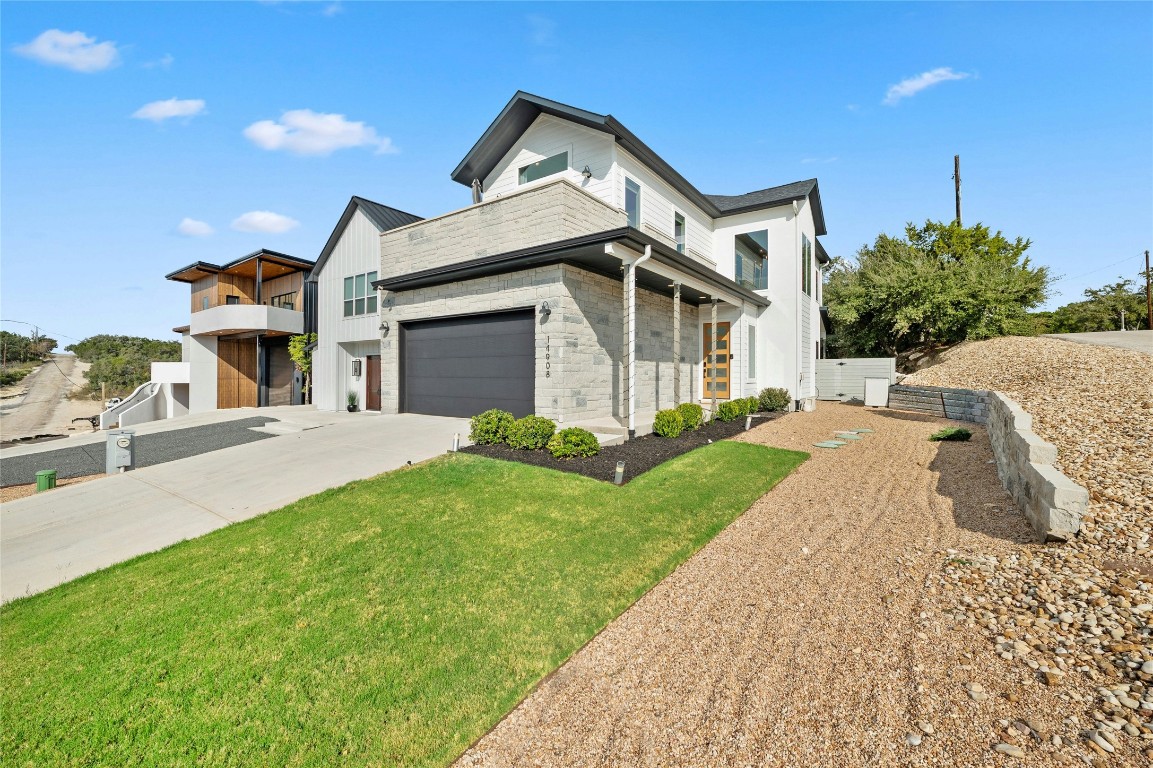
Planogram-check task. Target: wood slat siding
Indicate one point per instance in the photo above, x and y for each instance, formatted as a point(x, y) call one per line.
point(292, 283)
point(844, 379)
point(340, 338)
point(203, 288)
point(236, 373)
point(234, 285)
point(280, 369)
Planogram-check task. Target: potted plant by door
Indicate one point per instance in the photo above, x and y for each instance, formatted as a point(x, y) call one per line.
point(353, 399)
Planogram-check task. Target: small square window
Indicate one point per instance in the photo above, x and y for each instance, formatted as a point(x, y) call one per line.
point(359, 295)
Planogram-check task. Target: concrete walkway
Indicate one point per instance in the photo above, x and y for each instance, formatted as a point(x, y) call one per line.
point(1142, 341)
point(54, 537)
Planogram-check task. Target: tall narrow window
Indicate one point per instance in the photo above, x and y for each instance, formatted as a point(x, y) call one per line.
point(679, 231)
point(751, 268)
point(542, 168)
point(806, 266)
point(752, 351)
point(633, 203)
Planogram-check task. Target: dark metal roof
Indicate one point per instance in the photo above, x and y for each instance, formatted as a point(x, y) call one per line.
point(822, 254)
point(524, 108)
point(826, 321)
point(587, 252)
point(199, 269)
point(382, 217)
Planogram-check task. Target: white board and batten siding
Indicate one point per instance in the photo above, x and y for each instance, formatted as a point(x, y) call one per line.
point(357, 252)
point(807, 387)
point(548, 136)
point(844, 379)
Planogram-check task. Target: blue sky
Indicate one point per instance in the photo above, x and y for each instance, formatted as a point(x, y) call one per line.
point(140, 137)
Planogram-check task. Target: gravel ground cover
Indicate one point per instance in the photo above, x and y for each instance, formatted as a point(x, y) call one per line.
point(1080, 612)
point(639, 454)
point(157, 448)
point(816, 630)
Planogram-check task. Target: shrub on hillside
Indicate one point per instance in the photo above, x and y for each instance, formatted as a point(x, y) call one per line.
point(729, 411)
point(669, 423)
point(692, 415)
point(774, 399)
point(530, 433)
point(490, 427)
point(572, 442)
point(952, 433)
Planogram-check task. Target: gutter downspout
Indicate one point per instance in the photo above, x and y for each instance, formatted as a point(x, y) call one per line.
point(797, 310)
point(632, 337)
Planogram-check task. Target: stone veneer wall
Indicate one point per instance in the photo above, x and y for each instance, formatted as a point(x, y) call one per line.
point(947, 402)
point(1053, 504)
point(580, 341)
point(558, 210)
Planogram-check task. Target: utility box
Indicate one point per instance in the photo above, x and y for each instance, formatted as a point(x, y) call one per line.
point(876, 393)
point(120, 454)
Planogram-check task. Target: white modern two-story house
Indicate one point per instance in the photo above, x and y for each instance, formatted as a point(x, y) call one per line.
point(588, 280)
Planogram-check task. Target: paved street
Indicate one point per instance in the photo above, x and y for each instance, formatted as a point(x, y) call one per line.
point(30, 414)
point(1142, 341)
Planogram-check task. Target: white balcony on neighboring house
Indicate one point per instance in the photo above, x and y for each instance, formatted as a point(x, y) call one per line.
point(171, 373)
point(230, 319)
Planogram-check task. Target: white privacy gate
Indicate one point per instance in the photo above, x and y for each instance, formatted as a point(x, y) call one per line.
point(845, 379)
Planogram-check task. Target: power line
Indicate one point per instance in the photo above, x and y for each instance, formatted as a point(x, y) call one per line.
point(1099, 269)
point(41, 328)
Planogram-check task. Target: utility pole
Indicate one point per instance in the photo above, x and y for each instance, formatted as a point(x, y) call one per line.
point(1122, 319)
point(957, 184)
point(1148, 295)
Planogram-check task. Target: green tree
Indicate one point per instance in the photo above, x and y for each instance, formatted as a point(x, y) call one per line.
point(1101, 310)
point(940, 284)
point(300, 350)
point(122, 362)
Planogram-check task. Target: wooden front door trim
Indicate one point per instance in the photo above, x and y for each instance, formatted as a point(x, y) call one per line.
point(723, 360)
point(372, 383)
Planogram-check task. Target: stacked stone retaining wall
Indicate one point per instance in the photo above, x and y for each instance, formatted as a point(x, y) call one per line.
point(1053, 504)
point(946, 402)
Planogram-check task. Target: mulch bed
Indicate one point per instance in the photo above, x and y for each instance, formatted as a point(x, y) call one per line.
point(639, 454)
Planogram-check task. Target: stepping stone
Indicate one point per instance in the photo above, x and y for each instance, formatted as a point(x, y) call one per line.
point(863, 431)
point(847, 436)
point(828, 444)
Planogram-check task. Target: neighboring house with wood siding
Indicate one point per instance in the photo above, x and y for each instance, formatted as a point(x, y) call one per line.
point(236, 342)
point(591, 282)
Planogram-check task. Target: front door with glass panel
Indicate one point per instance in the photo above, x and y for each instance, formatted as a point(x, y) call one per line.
point(717, 362)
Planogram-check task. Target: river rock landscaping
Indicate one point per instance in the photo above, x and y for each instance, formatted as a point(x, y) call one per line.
point(640, 454)
point(1079, 615)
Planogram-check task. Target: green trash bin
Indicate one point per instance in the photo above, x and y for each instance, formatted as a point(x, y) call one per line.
point(45, 480)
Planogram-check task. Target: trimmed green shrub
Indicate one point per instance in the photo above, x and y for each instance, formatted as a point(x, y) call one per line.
point(751, 404)
point(692, 415)
point(952, 433)
point(669, 423)
point(774, 399)
point(530, 433)
point(489, 427)
point(573, 441)
point(729, 411)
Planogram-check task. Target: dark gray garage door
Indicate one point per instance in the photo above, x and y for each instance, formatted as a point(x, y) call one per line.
point(463, 366)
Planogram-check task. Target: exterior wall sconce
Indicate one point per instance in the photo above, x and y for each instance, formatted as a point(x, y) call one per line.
point(383, 328)
point(356, 368)
point(587, 173)
point(545, 309)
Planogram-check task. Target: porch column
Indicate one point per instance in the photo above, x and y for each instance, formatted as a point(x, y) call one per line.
point(630, 331)
point(711, 360)
point(676, 344)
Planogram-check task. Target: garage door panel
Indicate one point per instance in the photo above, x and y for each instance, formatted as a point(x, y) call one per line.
point(464, 366)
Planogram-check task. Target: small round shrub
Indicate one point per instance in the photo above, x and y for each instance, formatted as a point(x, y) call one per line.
point(774, 399)
point(952, 433)
point(750, 405)
point(729, 411)
point(669, 423)
point(572, 442)
point(489, 427)
point(530, 433)
point(692, 415)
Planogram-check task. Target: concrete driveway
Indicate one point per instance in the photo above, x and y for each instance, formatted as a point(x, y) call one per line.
point(56, 536)
point(1142, 341)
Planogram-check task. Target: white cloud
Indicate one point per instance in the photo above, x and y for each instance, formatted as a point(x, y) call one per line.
point(304, 132)
point(820, 160)
point(332, 9)
point(911, 86)
point(264, 221)
point(158, 111)
point(193, 228)
point(542, 30)
point(164, 62)
point(72, 50)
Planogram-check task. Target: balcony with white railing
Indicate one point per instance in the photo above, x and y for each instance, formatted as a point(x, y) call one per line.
point(240, 315)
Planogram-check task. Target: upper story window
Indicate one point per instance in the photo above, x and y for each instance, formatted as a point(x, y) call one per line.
point(283, 300)
point(359, 295)
point(633, 202)
point(542, 168)
point(679, 231)
point(806, 266)
point(752, 260)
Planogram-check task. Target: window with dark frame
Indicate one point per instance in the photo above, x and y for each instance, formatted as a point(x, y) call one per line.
point(283, 300)
point(806, 266)
point(633, 203)
point(542, 168)
point(679, 231)
point(359, 295)
point(751, 267)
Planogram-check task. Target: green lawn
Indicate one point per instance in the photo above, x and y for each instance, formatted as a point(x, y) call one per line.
point(388, 622)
